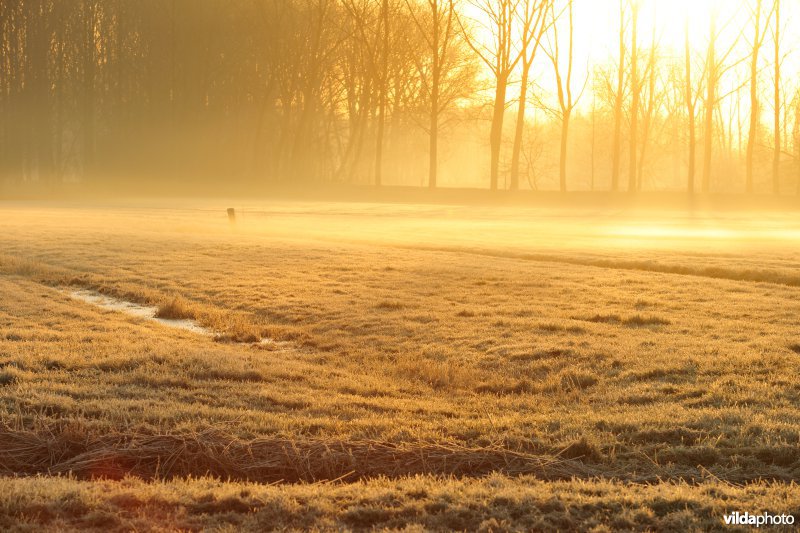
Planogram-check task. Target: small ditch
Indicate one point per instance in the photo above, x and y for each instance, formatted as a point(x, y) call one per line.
point(149, 313)
point(137, 310)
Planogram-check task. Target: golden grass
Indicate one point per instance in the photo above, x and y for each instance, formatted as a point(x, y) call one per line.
point(392, 360)
point(176, 307)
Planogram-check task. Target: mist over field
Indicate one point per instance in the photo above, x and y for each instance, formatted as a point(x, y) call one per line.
point(359, 265)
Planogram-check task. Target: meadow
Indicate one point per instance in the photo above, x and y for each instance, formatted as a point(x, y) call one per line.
point(397, 366)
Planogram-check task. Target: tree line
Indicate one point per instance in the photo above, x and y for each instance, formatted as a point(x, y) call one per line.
point(392, 92)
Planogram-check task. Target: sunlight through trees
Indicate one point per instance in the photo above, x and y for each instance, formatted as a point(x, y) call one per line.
point(621, 95)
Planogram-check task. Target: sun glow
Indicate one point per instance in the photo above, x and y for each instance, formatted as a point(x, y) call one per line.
point(666, 26)
point(665, 23)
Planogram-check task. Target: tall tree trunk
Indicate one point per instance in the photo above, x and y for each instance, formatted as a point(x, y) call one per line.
point(690, 111)
point(711, 96)
point(517, 149)
point(754, 104)
point(650, 110)
point(59, 109)
point(594, 139)
point(533, 26)
point(797, 158)
point(433, 148)
point(258, 143)
point(562, 161)
point(796, 135)
point(89, 59)
point(37, 90)
point(618, 102)
point(776, 157)
point(634, 140)
point(382, 103)
point(565, 100)
point(496, 135)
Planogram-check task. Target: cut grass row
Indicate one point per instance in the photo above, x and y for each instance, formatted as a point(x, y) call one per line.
point(68, 448)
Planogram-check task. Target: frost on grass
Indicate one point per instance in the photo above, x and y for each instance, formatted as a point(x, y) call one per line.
point(174, 313)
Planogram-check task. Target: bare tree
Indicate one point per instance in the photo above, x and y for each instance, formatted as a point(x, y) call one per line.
point(716, 66)
point(533, 27)
point(501, 57)
point(618, 99)
point(636, 89)
point(444, 74)
point(654, 96)
point(760, 31)
point(692, 95)
point(372, 29)
point(796, 135)
point(384, 87)
point(776, 157)
point(566, 98)
point(89, 67)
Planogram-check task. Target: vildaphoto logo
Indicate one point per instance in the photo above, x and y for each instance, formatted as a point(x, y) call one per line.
point(758, 520)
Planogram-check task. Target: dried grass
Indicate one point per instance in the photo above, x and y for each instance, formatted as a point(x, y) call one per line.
point(176, 308)
point(215, 453)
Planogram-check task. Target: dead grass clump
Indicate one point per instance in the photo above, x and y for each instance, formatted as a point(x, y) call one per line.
point(23, 267)
point(9, 376)
point(428, 318)
point(602, 319)
point(785, 456)
point(284, 333)
point(576, 380)
point(389, 305)
point(227, 374)
point(236, 329)
point(446, 374)
point(645, 320)
point(640, 399)
point(582, 449)
point(579, 380)
point(502, 388)
point(237, 337)
point(641, 304)
point(569, 381)
point(693, 455)
point(674, 374)
point(634, 321)
point(575, 329)
point(678, 436)
point(176, 308)
point(552, 327)
point(269, 459)
point(795, 347)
